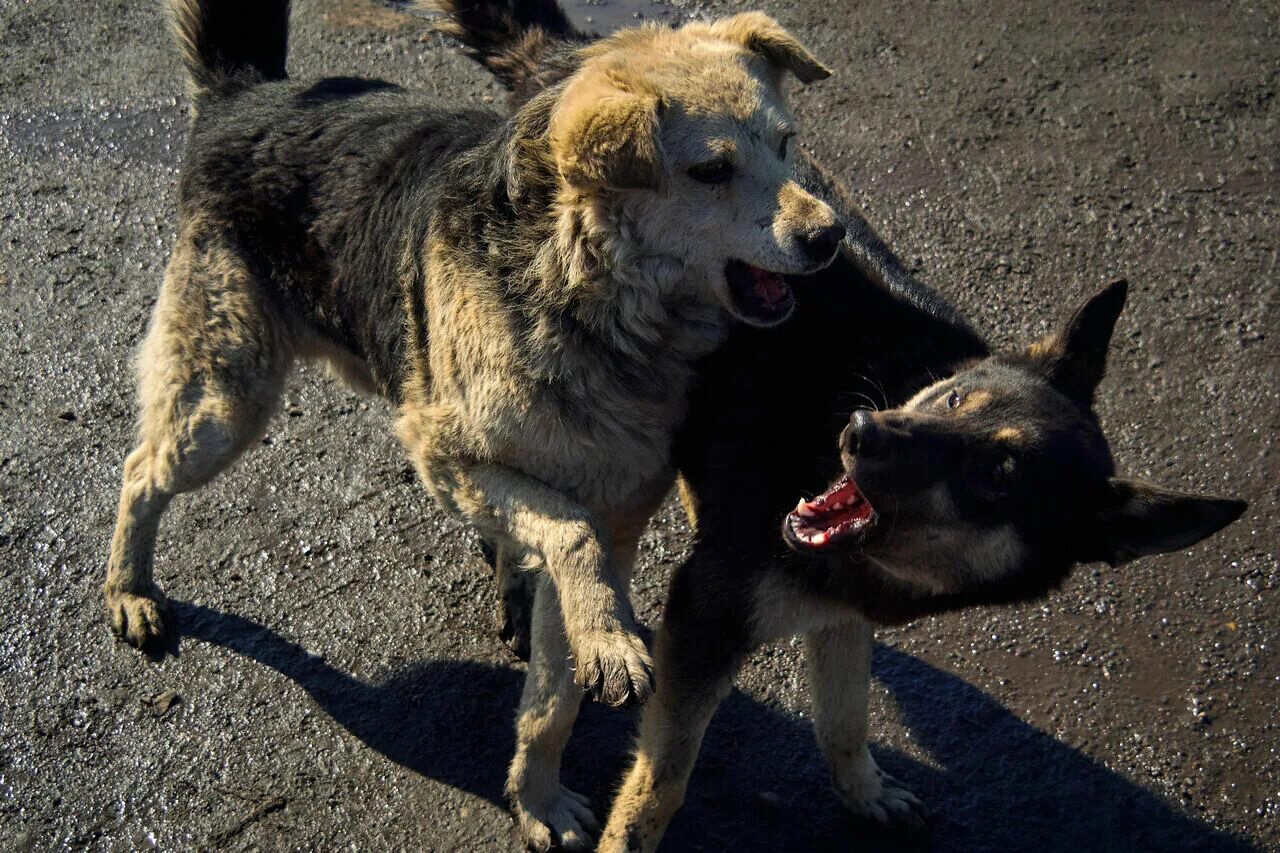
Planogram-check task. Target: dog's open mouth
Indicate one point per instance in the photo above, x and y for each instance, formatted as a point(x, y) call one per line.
point(839, 516)
point(759, 295)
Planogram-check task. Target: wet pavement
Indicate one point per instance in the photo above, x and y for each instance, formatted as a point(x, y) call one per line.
point(338, 682)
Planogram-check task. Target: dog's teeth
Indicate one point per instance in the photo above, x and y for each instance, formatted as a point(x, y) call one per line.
point(802, 508)
point(820, 538)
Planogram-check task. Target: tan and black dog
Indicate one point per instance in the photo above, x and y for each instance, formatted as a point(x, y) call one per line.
point(983, 479)
point(530, 291)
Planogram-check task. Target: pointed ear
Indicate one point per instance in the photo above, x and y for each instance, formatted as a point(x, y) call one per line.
point(1075, 358)
point(1145, 519)
point(605, 138)
point(759, 33)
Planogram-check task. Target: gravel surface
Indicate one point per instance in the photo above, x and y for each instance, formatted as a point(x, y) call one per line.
point(339, 683)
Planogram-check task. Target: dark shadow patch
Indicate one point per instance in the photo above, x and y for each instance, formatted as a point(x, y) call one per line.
point(449, 720)
point(341, 88)
point(1005, 785)
point(760, 783)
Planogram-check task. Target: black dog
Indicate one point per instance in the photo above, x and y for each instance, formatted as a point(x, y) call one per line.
point(983, 487)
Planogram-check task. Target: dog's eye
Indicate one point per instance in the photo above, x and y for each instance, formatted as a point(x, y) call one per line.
point(785, 145)
point(714, 172)
point(955, 398)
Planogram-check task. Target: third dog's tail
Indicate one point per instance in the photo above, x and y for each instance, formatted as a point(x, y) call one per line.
point(228, 45)
point(514, 39)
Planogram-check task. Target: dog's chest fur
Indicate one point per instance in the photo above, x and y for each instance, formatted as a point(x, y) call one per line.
point(531, 387)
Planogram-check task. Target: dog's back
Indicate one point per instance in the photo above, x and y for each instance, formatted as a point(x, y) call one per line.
point(312, 181)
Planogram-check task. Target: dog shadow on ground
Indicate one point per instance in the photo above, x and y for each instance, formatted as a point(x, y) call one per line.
point(992, 782)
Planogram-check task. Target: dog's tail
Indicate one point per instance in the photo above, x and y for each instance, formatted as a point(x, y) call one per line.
point(228, 45)
point(511, 38)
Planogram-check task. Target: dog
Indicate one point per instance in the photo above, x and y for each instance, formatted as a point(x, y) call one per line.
point(982, 479)
point(530, 291)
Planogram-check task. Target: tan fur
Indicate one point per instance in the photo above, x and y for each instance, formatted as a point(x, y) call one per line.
point(688, 502)
point(976, 400)
point(1010, 435)
point(546, 810)
point(184, 17)
point(1050, 347)
point(605, 137)
point(758, 32)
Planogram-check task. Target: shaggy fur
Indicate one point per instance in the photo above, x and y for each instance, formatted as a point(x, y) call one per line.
point(531, 292)
point(990, 475)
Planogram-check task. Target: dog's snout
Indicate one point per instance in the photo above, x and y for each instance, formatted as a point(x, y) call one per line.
point(863, 437)
point(821, 243)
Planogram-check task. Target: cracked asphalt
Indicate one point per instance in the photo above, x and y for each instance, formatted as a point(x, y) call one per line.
point(338, 682)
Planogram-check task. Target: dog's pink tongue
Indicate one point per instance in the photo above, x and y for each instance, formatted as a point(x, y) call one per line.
point(769, 286)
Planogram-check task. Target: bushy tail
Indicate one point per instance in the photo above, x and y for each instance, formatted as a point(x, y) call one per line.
point(517, 40)
point(231, 44)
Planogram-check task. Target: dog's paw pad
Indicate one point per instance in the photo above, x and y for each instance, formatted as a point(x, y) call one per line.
point(140, 619)
point(614, 667)
point(563, 822)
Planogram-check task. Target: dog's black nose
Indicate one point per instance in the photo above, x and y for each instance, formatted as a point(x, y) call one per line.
point(863, 438)
point(820, 245)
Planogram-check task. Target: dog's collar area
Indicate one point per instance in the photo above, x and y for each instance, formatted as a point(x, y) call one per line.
point(836, 516)
point(759, 294)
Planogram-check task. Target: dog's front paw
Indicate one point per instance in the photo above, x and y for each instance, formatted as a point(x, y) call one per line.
point(141, 619)
point(614, 667)
point(560, 820)
point(870, 793)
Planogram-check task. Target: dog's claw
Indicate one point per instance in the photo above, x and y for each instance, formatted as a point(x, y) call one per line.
point(141, 619)
point(614, 667)
point(874, 795)
point(566, 822)
point(896, 806)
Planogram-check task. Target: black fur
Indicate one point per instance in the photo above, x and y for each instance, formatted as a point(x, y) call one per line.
point(326, 185)
point(526, 44)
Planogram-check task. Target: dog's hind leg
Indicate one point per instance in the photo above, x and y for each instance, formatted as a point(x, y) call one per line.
point(838, 659)
point(549, 814)
point(210, 373)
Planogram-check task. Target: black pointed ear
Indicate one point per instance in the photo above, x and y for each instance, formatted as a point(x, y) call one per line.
point(1075, 358)
point(1143, 519)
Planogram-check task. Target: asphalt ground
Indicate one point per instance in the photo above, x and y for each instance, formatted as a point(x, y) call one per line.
point(338, 682)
